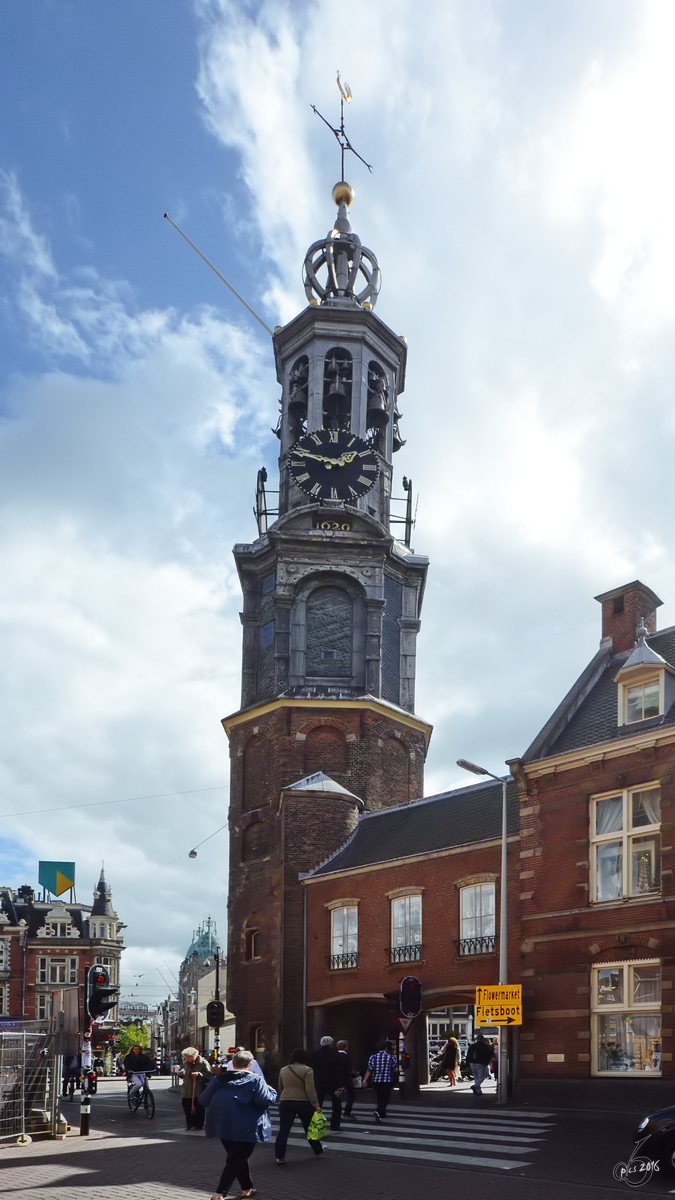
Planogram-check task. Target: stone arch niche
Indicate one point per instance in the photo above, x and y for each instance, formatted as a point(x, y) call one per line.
point(326, 750)
point(328, 634)
point(397, 758)
point(256, 772)
point(254, 841)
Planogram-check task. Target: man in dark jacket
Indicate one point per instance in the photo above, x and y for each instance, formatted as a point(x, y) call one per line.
point(478, 1058)
point(330, 1077)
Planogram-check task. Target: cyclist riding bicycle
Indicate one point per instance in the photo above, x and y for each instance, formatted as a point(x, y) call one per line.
point(137, 1065)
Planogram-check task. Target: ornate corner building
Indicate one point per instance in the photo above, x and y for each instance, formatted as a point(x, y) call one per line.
point(331, 611)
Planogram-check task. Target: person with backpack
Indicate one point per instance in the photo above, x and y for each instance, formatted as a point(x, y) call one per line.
point(297, 1098)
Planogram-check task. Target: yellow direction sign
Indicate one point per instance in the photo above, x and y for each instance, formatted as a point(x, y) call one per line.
point(499, 1004)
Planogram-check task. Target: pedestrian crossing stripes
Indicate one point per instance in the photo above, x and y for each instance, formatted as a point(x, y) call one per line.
point(503, 1141)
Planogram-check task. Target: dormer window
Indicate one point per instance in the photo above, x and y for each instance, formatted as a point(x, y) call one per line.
point(646, 684)
point(643, 700)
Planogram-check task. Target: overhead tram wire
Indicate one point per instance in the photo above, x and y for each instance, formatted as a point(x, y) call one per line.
point(171, 861)
point(29, 812)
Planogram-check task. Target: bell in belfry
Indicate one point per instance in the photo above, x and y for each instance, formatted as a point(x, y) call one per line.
point(377, 414)
point(336, 404)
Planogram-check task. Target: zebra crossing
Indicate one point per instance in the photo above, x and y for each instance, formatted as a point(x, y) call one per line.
point(498, 1141)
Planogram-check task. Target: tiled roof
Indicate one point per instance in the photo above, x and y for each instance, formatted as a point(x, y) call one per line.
point(457, 818)
point(588, 714)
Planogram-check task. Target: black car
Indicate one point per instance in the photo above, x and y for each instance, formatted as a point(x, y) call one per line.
point(656, 1133)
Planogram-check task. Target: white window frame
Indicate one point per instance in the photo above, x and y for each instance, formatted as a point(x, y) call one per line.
point(343, 941)
point(41, 970)
point(5, 952)
point(4, 999)
point(626, 836)
point(627, 1006)
point(465, 937)
point(410, 936)
point(640, 679)
point(56, 967)
point(43, 1006)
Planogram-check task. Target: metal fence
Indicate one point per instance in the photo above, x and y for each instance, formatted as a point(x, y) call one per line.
point(30, 1077)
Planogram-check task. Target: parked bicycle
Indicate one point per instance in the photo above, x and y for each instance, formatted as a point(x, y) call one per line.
point(142, 1096)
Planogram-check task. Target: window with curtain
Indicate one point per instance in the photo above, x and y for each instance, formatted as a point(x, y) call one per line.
point(626, 1000)
point(344, 937)
point(477, 918)
point(643, 700)
point(406, 929)
point(626, 844)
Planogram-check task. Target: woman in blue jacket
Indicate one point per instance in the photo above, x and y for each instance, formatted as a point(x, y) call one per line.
point(236, 1102)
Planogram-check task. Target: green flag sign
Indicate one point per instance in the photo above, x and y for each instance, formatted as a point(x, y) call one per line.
point(56, 877)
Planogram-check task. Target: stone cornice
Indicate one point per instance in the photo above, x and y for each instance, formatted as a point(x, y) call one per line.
point(371, 704)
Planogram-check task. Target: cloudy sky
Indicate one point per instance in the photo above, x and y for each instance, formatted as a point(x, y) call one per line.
point(521, 206)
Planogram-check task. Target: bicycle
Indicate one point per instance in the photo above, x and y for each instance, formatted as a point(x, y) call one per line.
point(142, 1097)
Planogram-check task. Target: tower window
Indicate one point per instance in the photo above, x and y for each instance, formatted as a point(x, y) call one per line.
point(329, 633)
point(253, 945)
point(268, 584)
point(337, 389)
point(617, 606)
point(267, 634)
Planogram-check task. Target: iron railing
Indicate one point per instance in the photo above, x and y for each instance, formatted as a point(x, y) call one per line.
point(338, 962)
point(479, 945)
point(400, 954)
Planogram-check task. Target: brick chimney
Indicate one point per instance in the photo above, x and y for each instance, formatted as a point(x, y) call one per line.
point(622, 609)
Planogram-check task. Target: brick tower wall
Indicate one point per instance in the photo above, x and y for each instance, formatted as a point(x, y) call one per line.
point(377, 757)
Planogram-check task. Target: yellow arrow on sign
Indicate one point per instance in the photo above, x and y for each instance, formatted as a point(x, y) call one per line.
point(499, 993)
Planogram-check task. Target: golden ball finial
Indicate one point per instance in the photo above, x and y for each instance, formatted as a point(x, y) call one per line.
point(342, 192)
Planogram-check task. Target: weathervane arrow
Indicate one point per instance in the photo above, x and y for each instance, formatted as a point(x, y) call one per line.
point(339, 133)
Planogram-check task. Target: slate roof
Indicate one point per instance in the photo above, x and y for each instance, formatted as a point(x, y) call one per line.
point(588, 714)
point(458, 818)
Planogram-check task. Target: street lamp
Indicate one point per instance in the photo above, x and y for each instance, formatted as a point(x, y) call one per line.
point(503, 918)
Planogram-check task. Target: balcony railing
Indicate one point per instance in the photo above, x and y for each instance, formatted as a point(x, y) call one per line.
point(480, 945)
point(401, 954)
point(339, 962)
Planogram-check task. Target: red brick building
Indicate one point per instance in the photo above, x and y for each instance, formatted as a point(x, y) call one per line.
point(415, 891)
point(596, 886)
point(47, 947)
point(591, 881)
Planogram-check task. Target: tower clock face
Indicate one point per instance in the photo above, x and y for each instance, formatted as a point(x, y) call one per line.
point(334, 464)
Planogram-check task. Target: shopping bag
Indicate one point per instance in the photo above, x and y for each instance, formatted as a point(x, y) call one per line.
point(318, 1127)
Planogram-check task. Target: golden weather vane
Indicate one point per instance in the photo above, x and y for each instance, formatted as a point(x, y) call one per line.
point(340, 135)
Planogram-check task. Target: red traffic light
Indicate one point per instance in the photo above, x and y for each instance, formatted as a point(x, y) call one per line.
point(410, 996)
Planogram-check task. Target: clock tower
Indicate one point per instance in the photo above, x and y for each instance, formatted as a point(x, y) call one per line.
point(331, 611)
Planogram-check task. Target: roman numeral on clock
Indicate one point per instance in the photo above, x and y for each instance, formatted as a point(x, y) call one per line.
point(316, 490)
point(302, 478)
point(334, 494)
point(364, 479)
point(333, 435)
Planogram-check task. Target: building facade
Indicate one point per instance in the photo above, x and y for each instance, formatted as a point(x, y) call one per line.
point(46, 949)
point(197, 985)
point(332, 604)
point(597, 862)
point(591, 881)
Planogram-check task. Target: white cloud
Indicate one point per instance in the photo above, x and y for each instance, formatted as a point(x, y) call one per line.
point(520, 208)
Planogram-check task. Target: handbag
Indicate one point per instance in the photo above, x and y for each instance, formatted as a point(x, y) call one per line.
point(264, 1128)
point(317, 1128)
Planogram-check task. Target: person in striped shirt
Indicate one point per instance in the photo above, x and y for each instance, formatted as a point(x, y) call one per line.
point(383, 1069)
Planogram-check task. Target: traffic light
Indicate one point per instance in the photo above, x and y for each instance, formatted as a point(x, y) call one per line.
point(101, 997)
point(410, 996)
point(215, 1014)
